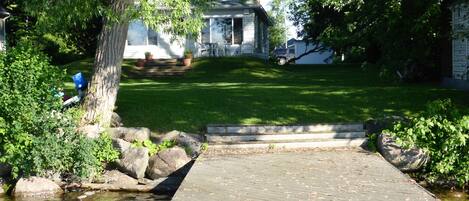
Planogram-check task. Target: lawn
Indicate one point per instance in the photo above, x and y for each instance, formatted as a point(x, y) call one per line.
point(248, 91)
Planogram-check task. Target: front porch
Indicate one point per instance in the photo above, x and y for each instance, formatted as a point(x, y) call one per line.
point(228, 31)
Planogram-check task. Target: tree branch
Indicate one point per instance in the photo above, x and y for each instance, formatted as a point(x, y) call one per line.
point(317, 48)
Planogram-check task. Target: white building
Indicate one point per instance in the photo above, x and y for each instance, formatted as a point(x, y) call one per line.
point(232, 28)
point(460, 24)
point(299, 47)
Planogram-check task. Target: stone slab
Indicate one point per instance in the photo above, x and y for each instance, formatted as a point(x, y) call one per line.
point(266, 129)
point(316, 175)
point(315, 144)
point(267, 137)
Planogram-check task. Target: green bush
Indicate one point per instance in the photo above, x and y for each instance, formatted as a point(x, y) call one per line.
point(442, 131)
point(36, 138)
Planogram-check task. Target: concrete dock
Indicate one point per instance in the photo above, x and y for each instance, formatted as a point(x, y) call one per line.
point(351, 174)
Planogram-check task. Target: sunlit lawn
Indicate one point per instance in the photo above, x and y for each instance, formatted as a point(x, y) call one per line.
point(248, 91)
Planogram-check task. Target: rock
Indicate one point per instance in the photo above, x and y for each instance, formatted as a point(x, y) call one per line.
point(117, 177)
point(116, 120)
point(130, 134)
point(5, 170)
point(91, 131)
point(160, 186)
point(406, 160)
point(145, 181)
point(192, 142)
point(166, 162)
point(378, 125)
point(134, 161)
point(121, 145)
point(36, 186)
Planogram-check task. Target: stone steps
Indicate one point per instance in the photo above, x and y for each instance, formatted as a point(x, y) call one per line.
point(163, 62)
point(266, 129)
point(293, 136)
point(229, 137)
point(313, 144)
point(159, 71)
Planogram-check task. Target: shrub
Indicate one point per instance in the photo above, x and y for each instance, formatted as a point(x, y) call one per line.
point(35, 137)
point(154, 148)
point(443, 133)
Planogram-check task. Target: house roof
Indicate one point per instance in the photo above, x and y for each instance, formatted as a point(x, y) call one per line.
point(235, 3)
point(242, 4)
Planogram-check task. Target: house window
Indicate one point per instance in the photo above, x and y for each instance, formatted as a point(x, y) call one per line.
point(238, 30)
point(223, 31)
point(152, 37)
point(206, 31)
point(260, 35)
point(139, 34)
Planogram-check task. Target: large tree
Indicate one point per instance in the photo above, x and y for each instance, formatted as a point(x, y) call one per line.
point(401, 35)
point(181, 18)
point(278, 29)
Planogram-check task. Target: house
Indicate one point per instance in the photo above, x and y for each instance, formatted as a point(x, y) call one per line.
point(299, 47)
point(232, 27)
point(460, 46)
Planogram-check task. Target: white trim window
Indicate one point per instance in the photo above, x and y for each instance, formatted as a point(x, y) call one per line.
point(223, 31)
point(139, 35)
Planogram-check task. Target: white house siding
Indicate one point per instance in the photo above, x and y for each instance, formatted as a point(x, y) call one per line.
point(249, 32)
point(167, 49)
point(164, 50)
point(313, 58)
point(460, 41)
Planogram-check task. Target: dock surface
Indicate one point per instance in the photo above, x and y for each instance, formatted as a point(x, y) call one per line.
point(352, 174)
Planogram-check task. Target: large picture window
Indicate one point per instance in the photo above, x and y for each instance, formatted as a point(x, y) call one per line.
point(139, 34)
point(223, 31)
point(206, 31)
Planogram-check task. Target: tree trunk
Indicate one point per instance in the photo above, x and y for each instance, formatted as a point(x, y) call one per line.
point(104, 84)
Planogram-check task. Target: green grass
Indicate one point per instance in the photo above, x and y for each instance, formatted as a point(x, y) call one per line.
point(247, 91)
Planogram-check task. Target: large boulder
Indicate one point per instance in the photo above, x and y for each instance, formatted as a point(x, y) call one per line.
point(192, 142)
point(133, 160)
point(36, 186)
point(130, 134)
point(406, 160)
point(379, 124)
point(121, 145)
point(91, 131)
point(166, 162)
point(116, 177)
point(116, 120)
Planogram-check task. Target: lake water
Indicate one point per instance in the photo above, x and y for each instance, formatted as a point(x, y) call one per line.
point(444, 195)
point(100, 196)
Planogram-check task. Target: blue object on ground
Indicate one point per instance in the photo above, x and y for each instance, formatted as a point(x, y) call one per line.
point(80, 81)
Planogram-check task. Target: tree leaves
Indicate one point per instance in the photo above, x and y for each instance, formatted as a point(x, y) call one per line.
point(443, 133)
point(182, 17)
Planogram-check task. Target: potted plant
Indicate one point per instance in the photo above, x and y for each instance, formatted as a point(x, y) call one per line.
point(148, 56)
point(140, 63)
point(187, 58)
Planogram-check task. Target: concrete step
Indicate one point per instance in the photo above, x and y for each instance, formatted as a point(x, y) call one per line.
point(263, 129)
point(312, 144)
point(277, 137)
